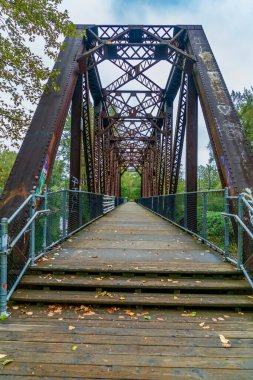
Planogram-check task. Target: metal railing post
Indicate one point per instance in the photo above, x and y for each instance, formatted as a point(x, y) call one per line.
point(64, 214)
point(3, 265)
point(44, 246)
point(32, 229)
point(185, 211)
point(204, 213)
point(80, 213)
point(240, 233)
point(226, 205)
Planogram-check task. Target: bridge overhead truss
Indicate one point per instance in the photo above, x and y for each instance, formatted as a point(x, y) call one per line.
point(132, 121)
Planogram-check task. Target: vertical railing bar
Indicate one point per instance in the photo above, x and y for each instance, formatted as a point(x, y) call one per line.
point(204, 213)
point(226, 204)
point(32, 229)
point(3, 269)
point(44, 246)
point(64, 214)
point(240, 233)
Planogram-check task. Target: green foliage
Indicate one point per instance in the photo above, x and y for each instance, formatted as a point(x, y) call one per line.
point(7, 159)
point(60, 174)
point(131, 185)
point(243, 102)
point(23, 75)
point(208, 176)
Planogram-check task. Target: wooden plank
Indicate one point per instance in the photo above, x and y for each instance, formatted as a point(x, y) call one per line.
point(103, 337)
point(137, 267)
point(133, 360)
point(121, 331)
point(134, 282)
point(13, 347)
point(123, 298)
point(127, 373)
point(136, 324)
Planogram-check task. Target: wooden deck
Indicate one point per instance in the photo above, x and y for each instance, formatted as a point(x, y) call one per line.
point(74, 343)
point(96, 320)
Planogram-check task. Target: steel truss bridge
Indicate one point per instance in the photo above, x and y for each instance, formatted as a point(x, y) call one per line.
point(129, 122)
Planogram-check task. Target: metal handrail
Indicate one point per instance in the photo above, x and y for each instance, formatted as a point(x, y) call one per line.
point(11, 245)
point(13, 216)
point(105, 204)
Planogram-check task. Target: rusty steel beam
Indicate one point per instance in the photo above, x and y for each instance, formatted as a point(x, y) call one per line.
point(191, 165)
point(231, 149)
point(75, 144)
point(179, 136)
point(43, 136)
point(88, 136)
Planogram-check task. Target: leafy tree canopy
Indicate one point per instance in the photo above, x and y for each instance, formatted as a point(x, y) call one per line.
point(7, 159)
point(23, 74)
point(243, 102)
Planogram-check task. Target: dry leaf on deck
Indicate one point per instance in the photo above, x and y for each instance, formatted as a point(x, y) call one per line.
point(225, 342)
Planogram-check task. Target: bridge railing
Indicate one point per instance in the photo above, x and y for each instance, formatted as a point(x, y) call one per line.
point(224, 222)
point(199, 213)
point(45, 221)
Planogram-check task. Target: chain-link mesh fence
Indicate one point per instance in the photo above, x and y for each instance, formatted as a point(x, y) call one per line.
point(197, 212)
point(43, 221)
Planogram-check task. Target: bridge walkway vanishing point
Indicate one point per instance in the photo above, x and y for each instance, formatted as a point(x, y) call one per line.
point(92, 307)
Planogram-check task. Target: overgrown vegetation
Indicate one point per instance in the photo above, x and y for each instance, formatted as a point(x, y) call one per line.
point(131, 185)
point(24, 25)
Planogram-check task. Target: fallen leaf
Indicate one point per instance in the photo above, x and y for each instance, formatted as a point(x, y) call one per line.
point(129, 313)
point(2, 356)
point(206, 327)
point(89, 313)
point(201, 324)
point(7, 361)
point(29, 313)
point(160, 319)
point(15, 307)
point(111, 310)
point(122, 298)
point(71, 327)
point(226, 316)
point(220, 319)
point(74, 348)
point(147, 317)
point(225, 342)
point(175, 298)
point(214, 319)
point(250, 296)
point(193, 313)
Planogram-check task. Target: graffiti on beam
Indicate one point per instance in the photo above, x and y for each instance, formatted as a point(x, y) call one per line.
point(227, 171)
point(74, 194)
point(43, 175)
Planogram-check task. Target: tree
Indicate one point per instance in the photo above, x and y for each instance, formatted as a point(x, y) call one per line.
point(208, 176)
point(23, 74)
point(7, 159)
point(243, 102)
point(131, 185)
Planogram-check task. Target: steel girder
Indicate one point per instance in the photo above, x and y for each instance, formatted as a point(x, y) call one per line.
point(132, 128)
point(88, 136)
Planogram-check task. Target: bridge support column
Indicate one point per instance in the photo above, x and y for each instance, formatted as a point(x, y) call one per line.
point(75, 156)
point(191, 153)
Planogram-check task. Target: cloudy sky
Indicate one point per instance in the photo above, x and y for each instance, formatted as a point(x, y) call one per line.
point(227, 24)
